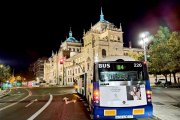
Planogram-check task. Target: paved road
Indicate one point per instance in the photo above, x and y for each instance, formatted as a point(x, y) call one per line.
point(42, 104)
point(48, 104)
point(14, 105)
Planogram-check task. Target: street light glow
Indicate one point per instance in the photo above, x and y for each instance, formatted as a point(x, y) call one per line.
point(141, 42)
point(144, 39)
point(144, 34)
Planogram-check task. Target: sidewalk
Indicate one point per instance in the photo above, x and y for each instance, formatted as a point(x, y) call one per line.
point(165, 108)
point(166, 112)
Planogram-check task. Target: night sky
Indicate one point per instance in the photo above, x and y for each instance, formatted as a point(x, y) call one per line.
point(30, 30)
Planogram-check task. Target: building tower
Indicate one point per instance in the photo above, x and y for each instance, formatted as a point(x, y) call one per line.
point(102, 40)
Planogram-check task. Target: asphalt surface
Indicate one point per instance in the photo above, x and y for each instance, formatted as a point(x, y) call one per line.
point(13, 106)
point(45, 104)
point(24, 103)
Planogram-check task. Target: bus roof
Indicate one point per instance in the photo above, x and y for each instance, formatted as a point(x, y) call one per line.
point(114, 58)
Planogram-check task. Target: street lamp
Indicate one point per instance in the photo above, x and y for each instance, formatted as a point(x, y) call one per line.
point(144, 39)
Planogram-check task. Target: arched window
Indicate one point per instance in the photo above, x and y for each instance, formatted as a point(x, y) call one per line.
point(103, 53)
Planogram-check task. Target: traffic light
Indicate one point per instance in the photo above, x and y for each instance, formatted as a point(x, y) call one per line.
point(62, 61)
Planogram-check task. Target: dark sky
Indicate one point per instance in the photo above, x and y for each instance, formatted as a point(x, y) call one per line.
point(30, 30)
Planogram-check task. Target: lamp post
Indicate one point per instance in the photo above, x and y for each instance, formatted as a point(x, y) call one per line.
point(144, 37)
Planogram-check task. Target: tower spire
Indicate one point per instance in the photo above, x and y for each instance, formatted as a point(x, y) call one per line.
point(130, 45)
point(84, 32)
point(70, 32)
point(101, 16)
point(52, 53)
point(120, 28)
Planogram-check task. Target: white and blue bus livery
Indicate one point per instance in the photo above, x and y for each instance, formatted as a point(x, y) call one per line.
point(121, 90)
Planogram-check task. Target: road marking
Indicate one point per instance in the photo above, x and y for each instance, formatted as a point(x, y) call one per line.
point(67, 102)
point(32, 101)
point(41, 110)
point(17, 101)
point(65, 99)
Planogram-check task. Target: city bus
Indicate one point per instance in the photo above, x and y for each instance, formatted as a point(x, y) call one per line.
point(121, 90)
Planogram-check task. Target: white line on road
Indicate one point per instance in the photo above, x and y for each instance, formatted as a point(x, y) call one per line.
point(66, 100)
point(32, 101)
point(41, 110)
point(17, 101)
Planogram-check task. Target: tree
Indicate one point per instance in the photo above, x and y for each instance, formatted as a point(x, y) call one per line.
point(159, 52)
point(12, 79)
point(174, 49)
point(165, 53)
point(5, 73)
point(135, 55)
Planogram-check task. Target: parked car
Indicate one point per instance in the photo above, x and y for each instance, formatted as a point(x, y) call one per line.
point(163, 82)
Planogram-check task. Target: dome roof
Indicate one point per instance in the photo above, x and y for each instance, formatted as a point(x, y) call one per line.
point(71, 38)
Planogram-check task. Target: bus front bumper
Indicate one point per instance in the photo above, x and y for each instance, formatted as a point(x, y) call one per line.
point(123, 113)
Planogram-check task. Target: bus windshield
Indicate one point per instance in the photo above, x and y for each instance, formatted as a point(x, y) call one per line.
point(121, 71)
point(120, 76)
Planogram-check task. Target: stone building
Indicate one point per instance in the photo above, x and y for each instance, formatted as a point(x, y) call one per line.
point(74, 61)
point(38, 69)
